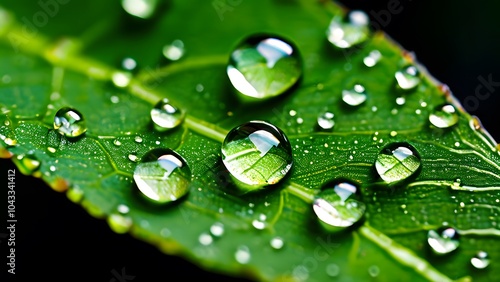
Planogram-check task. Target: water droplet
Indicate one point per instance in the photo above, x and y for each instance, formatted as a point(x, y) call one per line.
point(325, 121)
point(242, 255)
point(257, 154)
point(400, 101)
point(408, 78)
point(338, 205)
point(444, 116)
point(133, 157)
point(174, 51)
point(143, 9)
point(347, 32)
point(121, 79)
point(277, 243)
point(129, 64)
point(397, 162)
point(443, 240)
point(217, 229)
point(119, 223)
point(480, 260)
point(75, 194)
point(257, 224)
point(374, 271)
point(162, 176)
point(332, 270)
point(372, 59)
point(117, 142)
point(69, 122)
point(166, 116)
point(51, 150)
point(115, 99)
point(205, 239)
point(123, 209)
point(27, 163)
point(354, 96)
point(262, 66)
point(138, 139)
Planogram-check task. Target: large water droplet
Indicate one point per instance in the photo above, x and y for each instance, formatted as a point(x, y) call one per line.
point(355, 96)
point(326, 121)
point(166, 116)
point(263, 66)
point(397, 162)
point(162, 176)
point(480, 260)
point(257, 154)
point(143, 9)
point(347, 32)
point(443, 240)
point(408, 78)
point(338, 205)
point(69, 122)
point(444, 116)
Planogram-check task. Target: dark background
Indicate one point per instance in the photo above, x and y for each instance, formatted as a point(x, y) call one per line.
point(57, 240)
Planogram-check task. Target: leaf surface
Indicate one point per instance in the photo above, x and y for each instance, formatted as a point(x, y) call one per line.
point(45, 68)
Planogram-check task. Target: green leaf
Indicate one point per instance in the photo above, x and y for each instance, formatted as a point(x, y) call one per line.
point(47, 63)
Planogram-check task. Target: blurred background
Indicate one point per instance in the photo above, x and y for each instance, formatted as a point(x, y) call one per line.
point(58, 241)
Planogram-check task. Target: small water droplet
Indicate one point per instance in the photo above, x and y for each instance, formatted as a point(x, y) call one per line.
point(349, 31)
point(205, 239)
point(372, 59)
point(52, 168)
point(117, 142)
point(408, 78)
point(123, 209)
point(338, 205)
point(115, 99)
point(162, 176)
point(75, 194)
point(444, 116)
point(133, 157)
point(69, 122)
point(400, 101)
point(257, 224)
point(332, 270)
point(27, 163)
point(480, 260)
point(121, 79)
point(242, 255)
point(217, 229)
point(374, 271)
point(393, 133)
point(51, 150)
point(174, 51)
point(257, 154)
point(277, 243)
point(397, 162)
point(119, 223)
point(355, 96)
point(444, 240)
point(263, 66)
point(143, 9)
point(166, 116)
point(129, 64)
point(138, 139)
point(326, 121)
